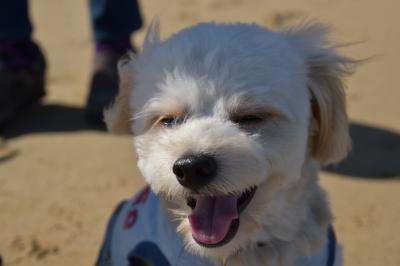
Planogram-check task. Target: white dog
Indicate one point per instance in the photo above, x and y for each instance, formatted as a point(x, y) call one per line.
point(231, 123)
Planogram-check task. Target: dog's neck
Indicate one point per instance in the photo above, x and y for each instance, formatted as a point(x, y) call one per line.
point(286, 241)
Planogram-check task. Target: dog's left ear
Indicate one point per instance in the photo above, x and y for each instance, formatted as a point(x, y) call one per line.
point(330, 139)
point(118, 116)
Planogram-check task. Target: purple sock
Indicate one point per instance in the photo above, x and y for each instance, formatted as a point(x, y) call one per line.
point(119, 47)
point(17, 54)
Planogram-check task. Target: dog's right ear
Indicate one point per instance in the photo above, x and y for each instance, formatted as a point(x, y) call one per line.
point(330, 140)
point(118, 117)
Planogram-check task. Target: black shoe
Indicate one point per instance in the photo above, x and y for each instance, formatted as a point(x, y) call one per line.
point(22, 78)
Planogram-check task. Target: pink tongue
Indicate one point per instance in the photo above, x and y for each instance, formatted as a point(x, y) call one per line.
point(212, 217)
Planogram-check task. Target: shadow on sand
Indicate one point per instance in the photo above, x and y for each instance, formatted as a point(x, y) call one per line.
point(48, 118)
point(375, 154)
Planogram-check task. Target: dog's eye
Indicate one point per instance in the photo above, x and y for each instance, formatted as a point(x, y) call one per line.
point(170, 121)
point(248, 119)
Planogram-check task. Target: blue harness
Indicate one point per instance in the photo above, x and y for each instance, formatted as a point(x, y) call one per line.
point(140, 233)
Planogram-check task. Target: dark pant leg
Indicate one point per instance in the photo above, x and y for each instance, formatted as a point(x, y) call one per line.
point(114, 20)
point(14, 20)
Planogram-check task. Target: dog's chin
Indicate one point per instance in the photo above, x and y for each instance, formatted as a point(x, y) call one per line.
point(215, 220)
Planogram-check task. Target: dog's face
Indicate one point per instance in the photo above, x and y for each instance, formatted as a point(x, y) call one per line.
point(225, 118)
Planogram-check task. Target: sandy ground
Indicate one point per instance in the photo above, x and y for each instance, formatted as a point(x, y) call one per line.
point(60, 178)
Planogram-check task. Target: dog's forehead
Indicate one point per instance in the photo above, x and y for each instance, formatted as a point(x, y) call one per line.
point(209, 62)
point(207, 96)
point(243, 53)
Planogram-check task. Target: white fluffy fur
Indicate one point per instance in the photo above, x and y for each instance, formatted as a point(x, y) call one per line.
point(209, 72)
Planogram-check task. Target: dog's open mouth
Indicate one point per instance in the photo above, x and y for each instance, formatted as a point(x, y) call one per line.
point(214, 221)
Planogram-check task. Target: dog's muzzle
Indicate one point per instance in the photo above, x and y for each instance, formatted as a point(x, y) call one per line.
point(214, 220)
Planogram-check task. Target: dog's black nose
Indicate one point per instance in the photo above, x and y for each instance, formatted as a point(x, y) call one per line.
point(195, 171)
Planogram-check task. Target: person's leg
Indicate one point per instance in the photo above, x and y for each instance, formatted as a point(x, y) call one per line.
point(14, 20)
point(113, 22)
point(22, 65)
